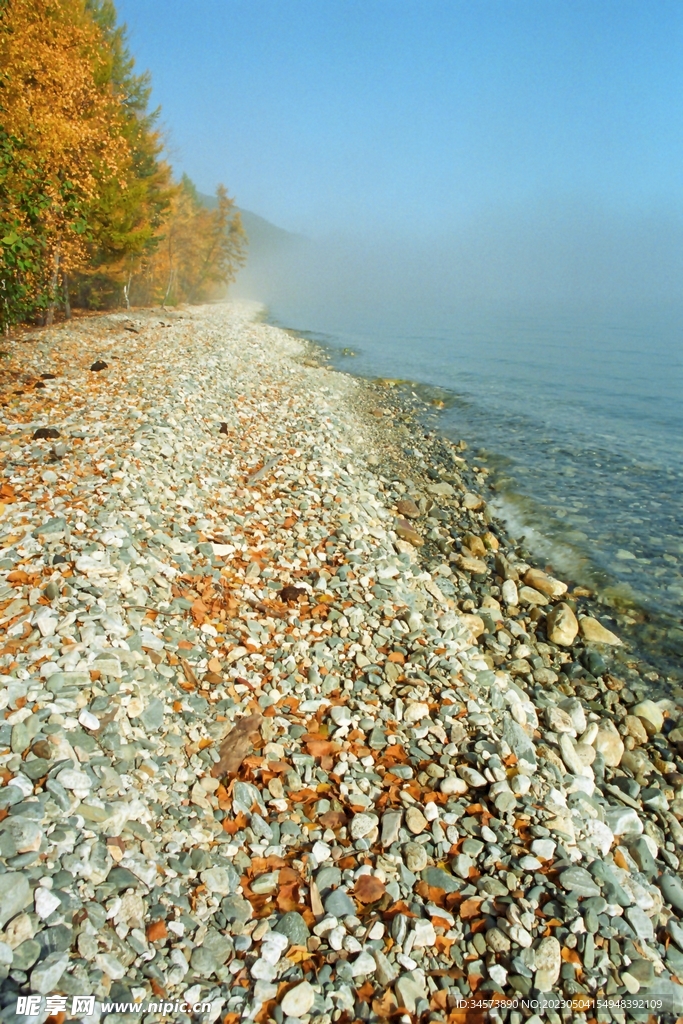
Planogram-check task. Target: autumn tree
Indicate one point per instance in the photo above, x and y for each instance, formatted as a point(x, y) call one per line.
point(125, 223)
point(86, 200)
point(201, 249)
point(59, 114)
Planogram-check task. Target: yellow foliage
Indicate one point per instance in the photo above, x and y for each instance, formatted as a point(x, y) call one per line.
point(57, 101)
point(200, 249)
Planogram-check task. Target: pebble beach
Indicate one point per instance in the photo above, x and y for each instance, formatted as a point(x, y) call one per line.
point(291, 731)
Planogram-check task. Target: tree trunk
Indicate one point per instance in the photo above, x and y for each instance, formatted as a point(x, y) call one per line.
point(49, 319)
point(168, 290)
point(67, 297)
point(126, 290)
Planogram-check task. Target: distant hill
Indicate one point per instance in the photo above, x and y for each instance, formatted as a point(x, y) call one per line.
point(271, 250)
point(264, 238)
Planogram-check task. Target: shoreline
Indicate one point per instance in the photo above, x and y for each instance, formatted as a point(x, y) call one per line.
point(287, 711)
point(651, 633)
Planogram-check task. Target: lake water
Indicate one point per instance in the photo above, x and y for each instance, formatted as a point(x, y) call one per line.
point(577, 414)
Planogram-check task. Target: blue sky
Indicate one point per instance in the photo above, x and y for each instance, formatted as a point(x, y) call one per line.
point(368, 115)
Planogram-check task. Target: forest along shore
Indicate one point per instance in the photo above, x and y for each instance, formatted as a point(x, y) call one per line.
point(289, 728)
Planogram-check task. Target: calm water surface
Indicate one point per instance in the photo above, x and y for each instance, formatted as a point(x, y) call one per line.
point(578, 415)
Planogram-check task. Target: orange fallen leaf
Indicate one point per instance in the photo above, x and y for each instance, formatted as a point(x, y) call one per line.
point(234, 825)
point(321, 748)
point(385, 1006)
point(157, 931)
point(288, 897)
point(333, 819)
point(369, 889)
point(366, 991)
point(237, 745)
point(470, 908)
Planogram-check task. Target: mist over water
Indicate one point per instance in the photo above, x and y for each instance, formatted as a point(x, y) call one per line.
point(555, 343)
point(573, 254)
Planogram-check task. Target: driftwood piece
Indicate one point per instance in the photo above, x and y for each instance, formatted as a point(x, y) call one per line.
point(236, 745)
point(263, 471)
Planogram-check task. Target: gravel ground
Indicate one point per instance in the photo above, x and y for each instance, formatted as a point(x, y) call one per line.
point(290, 727)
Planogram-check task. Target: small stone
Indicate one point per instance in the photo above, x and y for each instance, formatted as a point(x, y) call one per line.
point(407, 532)
point(273, 946)
point(497, 940)
point(46, 902)
point(391, 824)
point(321, 851)
point(499, 975)
point(299, 1000)
point(672, 890)
point(293, 926)
point(509, 592)
point(462, 864)
point(569, 755)
point(440, 879)
point(339, 904)
point(88, 720)
point(518, 740)
point(574, 708)
point(203, 962)
point(578, 881)
point(471, 776)
point(415, 857)
point(642, 972)
point(675, 931)
point(340, 714)
point(99, 365)
point(236, 908)
point(74, 780)
point(265, 883)
point(45, 976)
point(262, 970)
point(637, 762)
point(636, 729)
point(595, 632)
point(441, 490)
point(408, 508)
point(220, 880)
point(562, 626)
point(424, 934)
point(609, 743)
point(386, 971)
point(527, 595)
point(15, 894)
point(558, 720)
point(477, 566)
point(623, 821)
point(363, 965)
point(26, 954)
point(640, 922)
point(410, 988)
point(362, 825)
point(415, 712)
point(548, 961)
point(453, 786)
point(415, 820)
point(650, 716)
point(544, 583)
point(152, 718)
